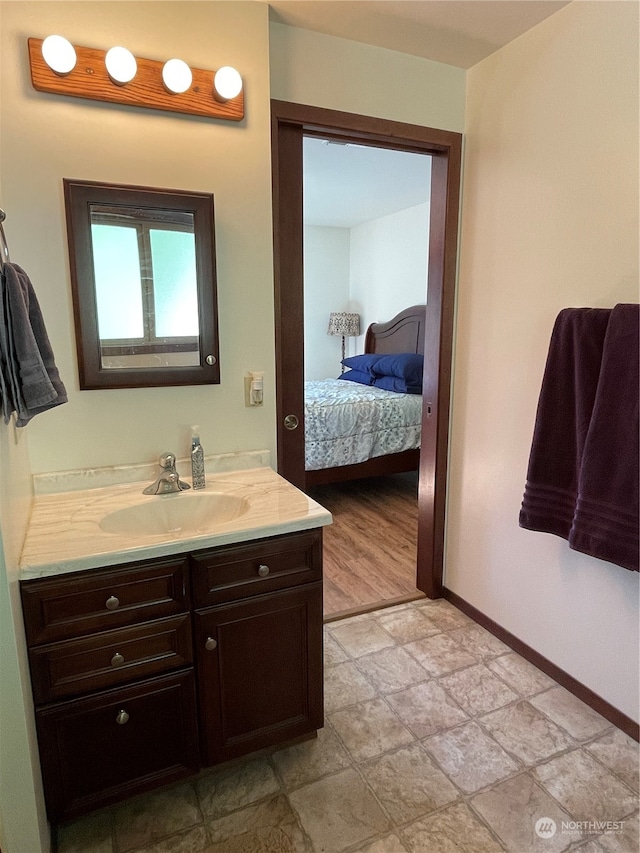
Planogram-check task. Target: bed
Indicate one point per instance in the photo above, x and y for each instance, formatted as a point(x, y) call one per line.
point(379, 430)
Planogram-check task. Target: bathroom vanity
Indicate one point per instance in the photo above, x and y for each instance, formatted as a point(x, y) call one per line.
point(184, 652)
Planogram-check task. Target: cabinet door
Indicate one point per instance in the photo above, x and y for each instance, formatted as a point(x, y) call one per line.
point(259, 671)
point(104, 748)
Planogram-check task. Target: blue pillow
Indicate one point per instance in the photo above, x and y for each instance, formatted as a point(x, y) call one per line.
point(363, 363)
point(357, 376)
point(394, 383)
point(405, 365)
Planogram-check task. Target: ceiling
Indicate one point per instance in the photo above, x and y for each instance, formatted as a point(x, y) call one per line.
point(345, 184)
point(456, 32)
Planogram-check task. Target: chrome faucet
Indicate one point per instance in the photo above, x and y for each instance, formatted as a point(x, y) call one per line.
point(168, 481)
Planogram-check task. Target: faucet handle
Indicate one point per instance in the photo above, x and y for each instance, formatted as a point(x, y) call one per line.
point(167, 460)
point(168, 481)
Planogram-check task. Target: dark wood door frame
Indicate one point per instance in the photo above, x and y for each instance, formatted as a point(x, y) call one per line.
point(289, 123)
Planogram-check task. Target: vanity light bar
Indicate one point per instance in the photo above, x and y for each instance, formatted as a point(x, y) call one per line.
point(149, 84)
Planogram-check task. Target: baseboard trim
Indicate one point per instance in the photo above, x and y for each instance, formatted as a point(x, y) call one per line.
point(624, 723)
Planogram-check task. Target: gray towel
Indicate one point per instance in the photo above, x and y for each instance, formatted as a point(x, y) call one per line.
point(29, 379)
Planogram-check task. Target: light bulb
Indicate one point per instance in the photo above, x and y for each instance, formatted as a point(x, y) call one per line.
point(59, 54)
point(176, 76)
point(121, 65)
point(227, 82)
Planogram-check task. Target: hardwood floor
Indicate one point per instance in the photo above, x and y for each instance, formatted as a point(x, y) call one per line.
point(370, 549)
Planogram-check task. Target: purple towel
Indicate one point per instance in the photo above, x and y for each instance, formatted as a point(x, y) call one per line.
point(562, 420)
point(605, 523)
point(583, 466)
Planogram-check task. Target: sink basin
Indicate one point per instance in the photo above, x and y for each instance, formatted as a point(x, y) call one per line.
point(179, 513)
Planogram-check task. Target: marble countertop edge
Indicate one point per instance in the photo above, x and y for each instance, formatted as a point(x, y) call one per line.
point(65, 533)
point(167, 549)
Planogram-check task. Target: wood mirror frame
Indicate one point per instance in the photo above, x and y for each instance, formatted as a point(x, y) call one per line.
point(80, 198)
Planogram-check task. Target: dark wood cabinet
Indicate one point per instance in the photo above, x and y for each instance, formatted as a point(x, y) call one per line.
point(258, 649)
point(105, 747)
point(259, 663)
point(118, 707)
point(115, 628)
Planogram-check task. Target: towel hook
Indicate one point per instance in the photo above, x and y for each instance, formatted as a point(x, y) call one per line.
point(4, 248)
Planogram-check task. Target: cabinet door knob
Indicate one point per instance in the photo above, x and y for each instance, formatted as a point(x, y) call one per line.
point(122, 718)
point(112, 603)
point(211, 644)
point(263, 571)
point(117, 659)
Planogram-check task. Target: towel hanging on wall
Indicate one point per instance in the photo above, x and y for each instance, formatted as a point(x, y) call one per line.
point(29, 379)
point(582, 479)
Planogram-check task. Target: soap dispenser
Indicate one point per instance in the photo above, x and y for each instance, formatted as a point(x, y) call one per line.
point(197, 459)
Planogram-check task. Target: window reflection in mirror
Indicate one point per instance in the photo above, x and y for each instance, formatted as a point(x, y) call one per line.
point(148, 313)
point(143, 276)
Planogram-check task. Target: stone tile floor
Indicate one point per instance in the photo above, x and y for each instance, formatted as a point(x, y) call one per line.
point(438, 739)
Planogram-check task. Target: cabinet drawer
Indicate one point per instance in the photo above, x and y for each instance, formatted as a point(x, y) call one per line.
point(270, 564)
point(101, 749)
point(72, 667)
point(87, 602)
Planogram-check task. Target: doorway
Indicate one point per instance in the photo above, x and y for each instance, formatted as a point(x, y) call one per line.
point(366, 228)
point(290, 123)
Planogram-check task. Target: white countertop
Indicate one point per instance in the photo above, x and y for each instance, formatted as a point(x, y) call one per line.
point(64, 533)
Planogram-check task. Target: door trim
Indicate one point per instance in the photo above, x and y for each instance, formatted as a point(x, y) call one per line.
point(289, 123)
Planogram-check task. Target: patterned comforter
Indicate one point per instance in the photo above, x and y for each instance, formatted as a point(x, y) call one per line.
point(346, 423)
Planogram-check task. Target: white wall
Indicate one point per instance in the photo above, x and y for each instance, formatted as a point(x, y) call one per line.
point(23, 823)
point(549, 220)
point(324, 71)
point(375, 269)
point(389, 265)
point(47, 137)
point(326, 289)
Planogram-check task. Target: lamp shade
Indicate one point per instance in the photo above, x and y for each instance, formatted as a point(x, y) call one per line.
point(344, 323)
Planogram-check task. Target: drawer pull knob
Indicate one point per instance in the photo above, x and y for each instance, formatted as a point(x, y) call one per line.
point(117, 659)
point(263, 571)
point(211, 644)
point(122, 718)
point(112, 603)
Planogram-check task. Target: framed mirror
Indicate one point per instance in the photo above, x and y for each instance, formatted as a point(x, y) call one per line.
point(143, 279)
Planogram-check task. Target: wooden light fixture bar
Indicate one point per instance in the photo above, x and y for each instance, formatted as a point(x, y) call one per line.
point(90, 79)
